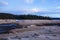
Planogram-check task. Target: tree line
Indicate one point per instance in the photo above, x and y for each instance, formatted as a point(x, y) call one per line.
point(11, 16)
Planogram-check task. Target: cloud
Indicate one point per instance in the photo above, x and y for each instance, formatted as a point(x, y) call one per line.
point(35, 10)
point(57, 9)
point(3, 3)
point(29, 1)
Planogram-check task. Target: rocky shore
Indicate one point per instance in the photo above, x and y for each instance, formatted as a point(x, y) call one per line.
point(40, 33)
point(32, 30)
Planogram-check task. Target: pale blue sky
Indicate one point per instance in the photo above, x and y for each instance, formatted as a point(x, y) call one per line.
point(31, 6)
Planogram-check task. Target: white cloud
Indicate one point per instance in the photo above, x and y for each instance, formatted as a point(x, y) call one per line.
point(29, 1)
point(3, 3)
point(35, 10)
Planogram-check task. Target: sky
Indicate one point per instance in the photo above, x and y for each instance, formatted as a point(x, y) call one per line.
point(48, 7)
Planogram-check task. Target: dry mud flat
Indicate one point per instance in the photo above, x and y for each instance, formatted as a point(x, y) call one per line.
point(37, 33)
point(28, 22)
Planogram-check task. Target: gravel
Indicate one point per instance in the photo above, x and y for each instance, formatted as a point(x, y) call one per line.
point(44, 33)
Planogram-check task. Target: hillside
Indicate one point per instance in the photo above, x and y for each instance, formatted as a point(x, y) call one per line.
point(11, 16)
point(6, 16)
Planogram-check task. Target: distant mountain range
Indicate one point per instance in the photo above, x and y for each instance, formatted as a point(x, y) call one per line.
point(29, 16)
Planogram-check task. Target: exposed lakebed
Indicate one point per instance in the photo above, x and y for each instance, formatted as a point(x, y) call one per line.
point(40, 33)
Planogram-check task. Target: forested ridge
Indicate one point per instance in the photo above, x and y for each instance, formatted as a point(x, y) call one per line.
point(12, 16)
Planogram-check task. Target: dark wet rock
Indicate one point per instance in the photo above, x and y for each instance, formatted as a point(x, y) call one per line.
point(35, 35)
point(3, 39)
point(53, 35)
point(26, 36)
point(25, 27)
point(15, 37)
point(50, 31)
point(8, 26)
